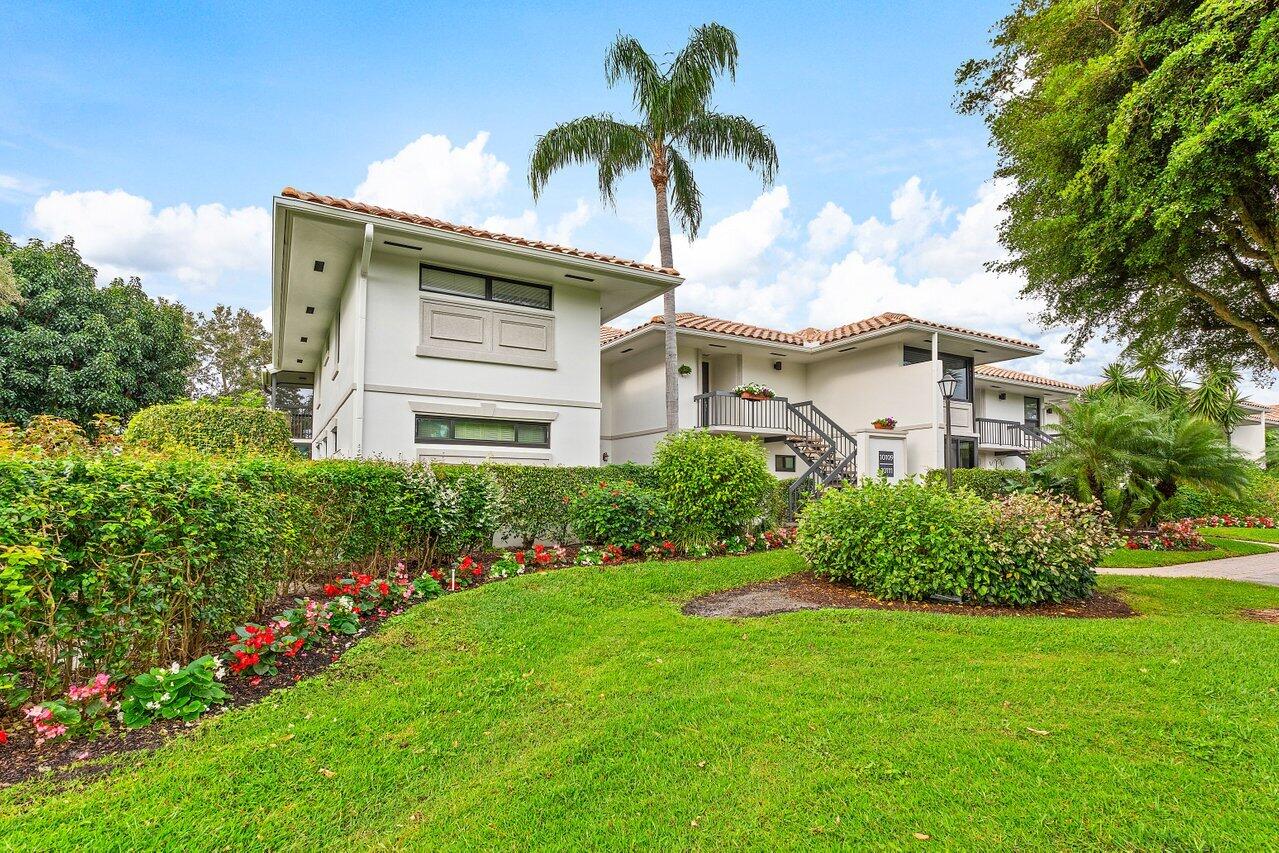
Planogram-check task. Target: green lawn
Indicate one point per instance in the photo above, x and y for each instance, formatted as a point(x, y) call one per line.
point(1251, 534)
point(581, 709)
point(1123, 558)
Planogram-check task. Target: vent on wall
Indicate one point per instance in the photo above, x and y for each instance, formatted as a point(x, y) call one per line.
point(401, 245)
point(319, 266)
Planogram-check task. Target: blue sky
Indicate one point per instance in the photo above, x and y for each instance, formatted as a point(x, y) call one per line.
point(157, 134)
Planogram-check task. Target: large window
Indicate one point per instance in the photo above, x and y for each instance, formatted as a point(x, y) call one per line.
point(430, 429)
point(959, 366)
point(965, 453)
point(476, 286)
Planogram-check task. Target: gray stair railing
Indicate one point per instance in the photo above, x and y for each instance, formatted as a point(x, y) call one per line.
point(828, 448)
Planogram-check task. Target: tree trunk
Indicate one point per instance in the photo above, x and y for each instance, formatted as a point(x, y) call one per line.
point(658, 173)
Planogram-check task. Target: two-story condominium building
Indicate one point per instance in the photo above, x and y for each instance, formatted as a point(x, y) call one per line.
point(405, 337)
point(831, 386)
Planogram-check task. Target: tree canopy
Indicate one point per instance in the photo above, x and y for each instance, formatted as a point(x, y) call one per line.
point(1142, 140)
point(71, 349)
point(232, 346)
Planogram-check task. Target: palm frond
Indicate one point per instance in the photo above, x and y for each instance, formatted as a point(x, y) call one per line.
point(614, 147)
point(627, 58)
point(710, 52)
point(686, 197)
point(716, 135)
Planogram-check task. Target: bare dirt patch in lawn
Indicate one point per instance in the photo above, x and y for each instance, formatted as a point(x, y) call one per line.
point(1270, 616)
point(805, 591)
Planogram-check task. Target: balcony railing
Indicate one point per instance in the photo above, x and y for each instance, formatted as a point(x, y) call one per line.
point(992, 432)
point(299, 426)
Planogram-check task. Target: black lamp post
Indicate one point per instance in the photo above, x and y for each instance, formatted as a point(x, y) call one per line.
point(947, 387)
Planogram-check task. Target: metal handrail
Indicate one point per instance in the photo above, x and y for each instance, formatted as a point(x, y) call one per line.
point(1006, 433)
point(798, 419)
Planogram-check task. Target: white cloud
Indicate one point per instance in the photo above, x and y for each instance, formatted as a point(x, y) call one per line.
point(123, 234)
point(528, 224)
point(433, 177)
point(912, 214)
point(733, 247)
point(829, 229)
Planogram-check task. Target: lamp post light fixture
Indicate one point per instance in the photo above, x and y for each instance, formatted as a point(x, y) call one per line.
point(947, 387)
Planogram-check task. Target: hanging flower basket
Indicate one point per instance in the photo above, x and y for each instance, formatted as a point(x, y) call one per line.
point(754, 391)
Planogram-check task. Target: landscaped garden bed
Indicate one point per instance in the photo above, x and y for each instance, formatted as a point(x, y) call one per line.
point(805, 591)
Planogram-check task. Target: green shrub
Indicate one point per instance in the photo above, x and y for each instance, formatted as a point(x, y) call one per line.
point(912, 541)
point(478, 506)
point(984, 482)
point(117, 563)
point(210, 428)
point(618, 513)
point(1259, 497)
point(715, 485)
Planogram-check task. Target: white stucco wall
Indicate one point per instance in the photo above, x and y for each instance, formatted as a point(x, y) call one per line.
point(1250, 440)
point(397, 379)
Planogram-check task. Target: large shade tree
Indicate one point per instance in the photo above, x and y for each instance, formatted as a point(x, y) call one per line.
point(676, 125)
point(232, 346)
point(1142, 143)
point(72, 349)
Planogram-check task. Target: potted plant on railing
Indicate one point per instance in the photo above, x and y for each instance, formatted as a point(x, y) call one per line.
point(754, 391)
point(884, 423)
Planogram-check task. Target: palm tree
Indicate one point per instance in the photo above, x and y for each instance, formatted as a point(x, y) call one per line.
point(1103, 442)
point(1192, 449)
point(676, 126)
point(1217, 398)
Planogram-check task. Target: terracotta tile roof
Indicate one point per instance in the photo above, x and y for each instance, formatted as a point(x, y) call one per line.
point(415, 219)
point(1272, 414)
point(809, 336)
point(990, 371)
point(607, 333)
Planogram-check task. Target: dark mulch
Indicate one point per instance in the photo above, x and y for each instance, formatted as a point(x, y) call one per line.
point(1268, 616)
point(806, 591)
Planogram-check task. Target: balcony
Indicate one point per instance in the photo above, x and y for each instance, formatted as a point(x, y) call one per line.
point(1009, 436)
point(299, 426)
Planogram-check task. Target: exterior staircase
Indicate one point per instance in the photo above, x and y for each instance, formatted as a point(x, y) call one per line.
point(828, 450)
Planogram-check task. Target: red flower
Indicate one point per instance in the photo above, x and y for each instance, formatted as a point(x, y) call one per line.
point(519, 557)
point(478, 571)
point(384, 588)
point(466, 563)
point(437, 574)
point(255, 680)
point(4, 737)
point(252, 629)
point(295, 648)
point(330, 590)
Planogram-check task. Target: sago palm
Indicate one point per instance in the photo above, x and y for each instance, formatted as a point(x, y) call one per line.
point(676, 126)
point(1194, 450)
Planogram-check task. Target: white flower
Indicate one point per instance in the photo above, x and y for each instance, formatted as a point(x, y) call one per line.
point(165, 698)
point(153, 706)
point(173, 667)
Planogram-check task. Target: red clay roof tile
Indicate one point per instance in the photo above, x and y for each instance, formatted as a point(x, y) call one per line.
point(415, 219)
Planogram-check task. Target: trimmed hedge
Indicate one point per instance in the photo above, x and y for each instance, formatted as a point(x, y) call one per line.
point(117, 563)
point(210, 428)
point(911, 541)
point(984, 482)
point(1260, 497)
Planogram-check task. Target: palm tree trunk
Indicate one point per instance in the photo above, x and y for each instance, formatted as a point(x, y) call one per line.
point(668, 302)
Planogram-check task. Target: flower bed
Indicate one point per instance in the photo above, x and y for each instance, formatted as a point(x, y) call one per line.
point(1169, 536)
point(1263, 521)
point(280, 649)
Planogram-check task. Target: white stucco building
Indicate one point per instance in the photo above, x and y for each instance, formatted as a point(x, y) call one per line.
point(405, 337)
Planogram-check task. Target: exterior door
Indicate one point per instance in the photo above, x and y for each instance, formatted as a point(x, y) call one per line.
point(1032, 409)
point(704, 381)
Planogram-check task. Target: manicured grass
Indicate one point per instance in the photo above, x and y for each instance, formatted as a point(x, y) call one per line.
point(581, 709)
point(1123, 558)
point(1250, 534)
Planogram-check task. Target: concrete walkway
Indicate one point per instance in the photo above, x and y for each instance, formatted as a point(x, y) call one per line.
point(1256, 568)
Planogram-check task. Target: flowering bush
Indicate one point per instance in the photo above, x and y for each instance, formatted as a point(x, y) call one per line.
point(1170, 536)
point(542, 556)
point(756, 389)
point(588, 556)
point(176, 693)
point(257, 647)
point(736, 545)
point(619, 512)
point(469, 571)
point(1228, 520)
point(665, 550)
point(508, 565)
point(82, 713)
point(912, 541)
point(612, 554)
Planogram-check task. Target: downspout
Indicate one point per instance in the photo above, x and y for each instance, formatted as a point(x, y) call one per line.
point(362, 335)
point(937, 404)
